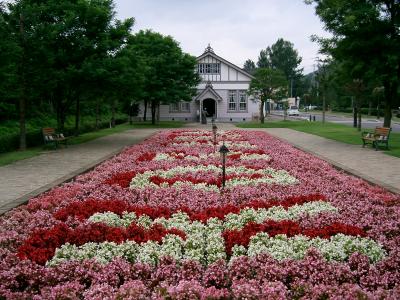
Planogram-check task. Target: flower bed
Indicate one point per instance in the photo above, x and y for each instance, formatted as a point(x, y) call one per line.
point(154, 222)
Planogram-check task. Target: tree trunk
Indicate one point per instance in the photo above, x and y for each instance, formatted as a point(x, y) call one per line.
point(358, 103)
point(97, 114)
point(22, 97)
point(158, 112)
point(262, 112)
point(153, 112)
point(62, 121)
point(22, 121)
point(354, 112)
point(113, 113)
point(389, 94)
point(323, 108)
point(145, 111)
point(77, 115)
point(370, 107)
point(378, 108)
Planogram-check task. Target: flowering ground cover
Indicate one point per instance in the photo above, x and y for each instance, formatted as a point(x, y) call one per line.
point(155, 223)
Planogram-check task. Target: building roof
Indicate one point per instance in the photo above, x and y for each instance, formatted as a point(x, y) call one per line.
point(208, 90)
point(210, 52)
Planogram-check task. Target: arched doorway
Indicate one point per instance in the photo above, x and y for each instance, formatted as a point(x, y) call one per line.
point(210, 107)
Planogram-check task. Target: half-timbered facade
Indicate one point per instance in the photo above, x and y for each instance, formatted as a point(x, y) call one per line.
point(222, 94)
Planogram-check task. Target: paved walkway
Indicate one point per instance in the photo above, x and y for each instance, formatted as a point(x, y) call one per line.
point(373, 166)
point(27, 178)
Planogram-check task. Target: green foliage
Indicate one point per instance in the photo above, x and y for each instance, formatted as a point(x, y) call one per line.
point(267, 84)
point(9, 130)
point(365, 41)
point(282, 56)
point(168, 72)
point(249, 66)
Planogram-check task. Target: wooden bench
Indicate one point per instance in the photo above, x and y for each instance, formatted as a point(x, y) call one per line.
point(379, 136)
point(50, 137)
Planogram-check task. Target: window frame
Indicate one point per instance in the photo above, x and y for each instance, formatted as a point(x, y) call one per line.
point(179, 107)
point(240, 106)
point(232, 95)
point(240, 102)
point(209, 68)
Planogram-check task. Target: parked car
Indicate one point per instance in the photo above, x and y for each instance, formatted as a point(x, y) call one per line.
point(293, 111)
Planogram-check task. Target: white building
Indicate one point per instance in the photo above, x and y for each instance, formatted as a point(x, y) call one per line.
point(221, 94)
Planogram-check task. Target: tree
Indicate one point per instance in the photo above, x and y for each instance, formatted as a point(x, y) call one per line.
point(168, 72)
point(378, 93)
point(19, 20)
point(365, 35)
point(282, 56)
point(267, 84)
point(263, 59)
point(249, 66)
point(357, 88)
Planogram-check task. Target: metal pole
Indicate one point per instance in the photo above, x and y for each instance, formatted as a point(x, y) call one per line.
point(201, 112)
point(223, 171)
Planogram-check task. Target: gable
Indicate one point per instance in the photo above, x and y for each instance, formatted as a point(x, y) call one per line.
point(212, 67)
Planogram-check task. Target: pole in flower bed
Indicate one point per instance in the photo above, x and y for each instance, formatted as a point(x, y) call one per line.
point(223, 151)
point(214, 130)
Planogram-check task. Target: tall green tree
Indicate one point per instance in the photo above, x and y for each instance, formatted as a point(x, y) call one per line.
point(263, 59)
point(365, 36)
point(282, 56)
point(267, 84)
point(167, 71)
point(249, 66)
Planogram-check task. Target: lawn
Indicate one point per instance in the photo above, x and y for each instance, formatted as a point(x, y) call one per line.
point(10, 157)
point(338, 132)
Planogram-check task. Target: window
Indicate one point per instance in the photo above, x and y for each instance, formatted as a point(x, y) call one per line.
point(210, 68)
point(185, 106)
point(237, 100)
point(179, 107)
point(232, 99)
point(242, 100)
point(174, 107)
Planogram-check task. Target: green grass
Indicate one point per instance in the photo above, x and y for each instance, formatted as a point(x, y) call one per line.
point(350, 115)
point(10, 157)
point(337, 132)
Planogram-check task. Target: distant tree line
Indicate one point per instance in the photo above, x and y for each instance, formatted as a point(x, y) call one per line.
point(59, 56)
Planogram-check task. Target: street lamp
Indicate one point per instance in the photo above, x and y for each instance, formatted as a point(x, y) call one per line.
point(214, 130)
point(223, 151)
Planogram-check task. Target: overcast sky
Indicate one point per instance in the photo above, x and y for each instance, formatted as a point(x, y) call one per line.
point(236, 29)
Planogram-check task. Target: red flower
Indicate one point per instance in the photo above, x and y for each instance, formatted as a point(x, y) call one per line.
point(121, 179)
point(146, 157)
point(41, 245)
point(290, 228)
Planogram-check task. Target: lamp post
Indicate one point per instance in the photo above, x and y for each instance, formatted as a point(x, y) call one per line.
point(223, 151)
point(214, 130)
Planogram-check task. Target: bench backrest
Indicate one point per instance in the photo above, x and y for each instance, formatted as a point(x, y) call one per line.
point(383, 131)
point(48, 131)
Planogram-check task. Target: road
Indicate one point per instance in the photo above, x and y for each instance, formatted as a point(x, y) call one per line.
point(369, 122)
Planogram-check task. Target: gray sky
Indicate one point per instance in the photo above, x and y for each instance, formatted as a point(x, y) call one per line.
point(237, 30)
